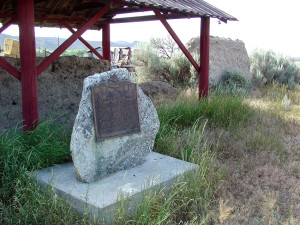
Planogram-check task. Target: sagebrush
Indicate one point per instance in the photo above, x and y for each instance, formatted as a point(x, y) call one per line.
point(152, 64)
point(268, 66)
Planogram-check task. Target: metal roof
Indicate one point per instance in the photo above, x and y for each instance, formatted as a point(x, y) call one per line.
point(194, 7)
point(51, 13)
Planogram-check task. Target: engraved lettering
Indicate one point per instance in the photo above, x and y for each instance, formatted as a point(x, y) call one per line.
point(115, 107)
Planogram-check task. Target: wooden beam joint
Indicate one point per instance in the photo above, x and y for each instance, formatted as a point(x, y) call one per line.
point(84, 42)
point(10, 69)
point(176, 39)
point(71, 40)
point(7, 24)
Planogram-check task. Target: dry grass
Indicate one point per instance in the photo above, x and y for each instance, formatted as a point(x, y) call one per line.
point(260, 161)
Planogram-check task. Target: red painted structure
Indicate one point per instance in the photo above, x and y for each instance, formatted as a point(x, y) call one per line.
point(47, 62)
point(84, 42)
point(176, 39)
point(204, 58)
point(106, 41)
point(28, 64)
point(99, 16)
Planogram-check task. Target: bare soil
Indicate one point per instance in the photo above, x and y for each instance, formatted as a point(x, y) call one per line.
point(59, 89)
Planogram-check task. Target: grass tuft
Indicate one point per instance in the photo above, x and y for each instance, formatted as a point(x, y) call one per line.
point(21, 201)
point(219, 110)
point(191, 197)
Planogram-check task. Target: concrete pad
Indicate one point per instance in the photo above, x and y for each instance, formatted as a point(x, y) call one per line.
point(100, 198)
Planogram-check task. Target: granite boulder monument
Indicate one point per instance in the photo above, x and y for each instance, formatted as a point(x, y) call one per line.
point(115, 127)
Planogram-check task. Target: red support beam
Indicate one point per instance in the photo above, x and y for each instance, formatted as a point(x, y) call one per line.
point(106, 41)
point(60, 20)
point(204, 58)
point(44, 65)
point(148, 18)
point(6, 25)
point(9, 68)
point(28, 64)
point(3, 63)
point(56, 20)
point(176, 39)
point(84, 42)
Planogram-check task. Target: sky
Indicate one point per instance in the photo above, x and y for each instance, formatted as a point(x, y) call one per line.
point(264, 24)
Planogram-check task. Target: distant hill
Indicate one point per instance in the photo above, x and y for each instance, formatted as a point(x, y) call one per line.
point(296, 58)
point(51, 43)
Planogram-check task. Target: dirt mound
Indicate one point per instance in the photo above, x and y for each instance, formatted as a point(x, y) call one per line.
point(59, 88)
point(154, 88)
point(226, 55)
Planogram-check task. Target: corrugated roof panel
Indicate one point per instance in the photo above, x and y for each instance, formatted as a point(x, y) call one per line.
point(195, 7)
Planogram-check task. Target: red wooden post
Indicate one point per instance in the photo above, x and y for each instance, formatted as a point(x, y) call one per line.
point(176, 39)
point(106, 42)
point(204, 58)
point(28, 64)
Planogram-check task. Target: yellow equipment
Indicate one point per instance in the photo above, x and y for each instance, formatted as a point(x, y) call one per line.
point(11, 48)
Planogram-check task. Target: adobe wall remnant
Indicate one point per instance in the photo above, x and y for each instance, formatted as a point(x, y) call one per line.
point(226, 55)
point(59, 89)
point(154, 88)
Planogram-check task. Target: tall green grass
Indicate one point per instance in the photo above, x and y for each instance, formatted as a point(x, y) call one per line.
point(181, 135)
point(219, 110)
point(192, 196)
point(21, 201)
point(190, 199)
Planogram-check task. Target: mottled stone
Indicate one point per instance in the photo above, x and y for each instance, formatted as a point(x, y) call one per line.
point(94, 160)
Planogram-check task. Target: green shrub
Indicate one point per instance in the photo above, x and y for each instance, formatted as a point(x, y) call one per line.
point(233, 83)
point(149, 65)
point(179, 69)
point(267, 66)
point(194, 73)
point(234, 79)
point(152, 65)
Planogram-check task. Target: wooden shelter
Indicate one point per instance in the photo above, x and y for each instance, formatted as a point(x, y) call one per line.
point(95, 15)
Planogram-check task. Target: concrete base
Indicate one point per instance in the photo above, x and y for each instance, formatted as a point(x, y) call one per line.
point(99, 199)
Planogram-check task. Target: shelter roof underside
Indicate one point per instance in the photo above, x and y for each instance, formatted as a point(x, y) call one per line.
point(52, 13)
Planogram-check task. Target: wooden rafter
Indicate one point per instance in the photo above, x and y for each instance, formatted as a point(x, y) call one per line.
point(9, 68)
point(176, 39)
point(7, 24)
point(70, 41)
point(84, 42)
point(148, 18)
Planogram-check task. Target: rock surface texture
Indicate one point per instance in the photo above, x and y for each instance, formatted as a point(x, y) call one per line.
point(226, 55)
point(94, 160)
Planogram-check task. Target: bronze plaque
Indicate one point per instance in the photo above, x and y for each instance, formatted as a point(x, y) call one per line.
point(116, 111)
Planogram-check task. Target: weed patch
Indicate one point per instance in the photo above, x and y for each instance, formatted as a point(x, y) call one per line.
point(219, 110)
point(21, 201)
